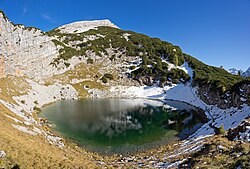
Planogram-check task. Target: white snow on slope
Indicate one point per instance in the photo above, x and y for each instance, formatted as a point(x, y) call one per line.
point(245, 136)
point(185, 67)
point(18, 110)
point(24, 129)
point(186, 93)
point(40, 95)
point(235, 71)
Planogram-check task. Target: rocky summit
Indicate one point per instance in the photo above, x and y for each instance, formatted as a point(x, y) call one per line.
point(97, 59)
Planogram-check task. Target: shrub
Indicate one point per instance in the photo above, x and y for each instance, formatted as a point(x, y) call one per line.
point(37, 109)
point(90, 61)
point(221, 130)
point(66, 64)
point(163, 79)
point(104, 79)
point(109, 76)
point(112, 58)
point(214, 77)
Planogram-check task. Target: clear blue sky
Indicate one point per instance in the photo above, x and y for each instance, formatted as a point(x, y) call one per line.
point(215, 31)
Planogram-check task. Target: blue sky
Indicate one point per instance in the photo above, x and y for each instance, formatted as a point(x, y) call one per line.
point(215, 31)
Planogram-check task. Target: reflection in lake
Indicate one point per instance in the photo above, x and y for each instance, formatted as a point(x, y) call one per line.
point(121, 125)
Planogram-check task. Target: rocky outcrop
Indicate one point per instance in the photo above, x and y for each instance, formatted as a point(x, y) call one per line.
point(233, 98)
point(29, 51)
point(83, 26)
point(2, 154)
point(25, 51)
point(241, 132)
point(2, 67)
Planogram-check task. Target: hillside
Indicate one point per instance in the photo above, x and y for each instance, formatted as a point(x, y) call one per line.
point(96, 59)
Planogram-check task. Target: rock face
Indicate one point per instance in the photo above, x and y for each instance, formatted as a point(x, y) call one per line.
point(25, 51)
point(241, 132)
point(2, 67)
point(83, 26)
point(2, 154)
point(29, 51)
point(235, 99)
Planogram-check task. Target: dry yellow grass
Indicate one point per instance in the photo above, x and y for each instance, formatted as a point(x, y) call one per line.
point(90, 73)
point(29, 151)
point(12, 86)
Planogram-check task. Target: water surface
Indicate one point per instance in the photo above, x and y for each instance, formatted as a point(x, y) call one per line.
point(121, 125)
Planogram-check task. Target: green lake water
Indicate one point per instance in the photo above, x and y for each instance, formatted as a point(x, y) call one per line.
point(121, 125)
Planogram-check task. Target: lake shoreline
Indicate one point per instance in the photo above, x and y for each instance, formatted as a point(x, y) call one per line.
point(139, 148)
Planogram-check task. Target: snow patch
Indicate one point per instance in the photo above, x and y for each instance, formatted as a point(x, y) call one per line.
point(24, 129)
point(2, 154)
point(40, 95)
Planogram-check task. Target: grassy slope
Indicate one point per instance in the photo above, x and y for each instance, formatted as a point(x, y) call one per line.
point(235, 153)
point(34, 151)
point(149, 49)
point(12, 86)
point(28, 151)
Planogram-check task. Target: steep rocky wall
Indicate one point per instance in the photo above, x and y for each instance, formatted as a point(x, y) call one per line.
point(230, 99)
point(26, 51)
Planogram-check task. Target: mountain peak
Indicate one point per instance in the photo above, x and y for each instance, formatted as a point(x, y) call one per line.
point(239, 71)
point(235, 71)
point(246, 73)
point(83, 26)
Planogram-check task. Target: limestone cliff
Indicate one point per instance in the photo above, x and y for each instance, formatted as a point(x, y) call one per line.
point(83, 26)
point(25, 50)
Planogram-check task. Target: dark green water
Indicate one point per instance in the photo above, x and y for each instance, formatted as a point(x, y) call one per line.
point(120, 125)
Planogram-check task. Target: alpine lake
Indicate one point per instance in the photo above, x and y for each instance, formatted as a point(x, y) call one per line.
point(122, 125)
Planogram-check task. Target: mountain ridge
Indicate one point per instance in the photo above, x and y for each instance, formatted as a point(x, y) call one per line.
point(83, 26)
point(240, 72)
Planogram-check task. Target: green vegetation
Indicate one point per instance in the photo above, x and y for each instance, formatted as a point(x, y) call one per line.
point(160, 72)
point(221, 129)
point(109, 76)
point(219, 152)
point(214, 77)
point(37, 109)
point(236, 86)
point(53, 32)
point(30, 28)
point(138, 45)
point(90, 61)
point(104, 79)
point(151, 50)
